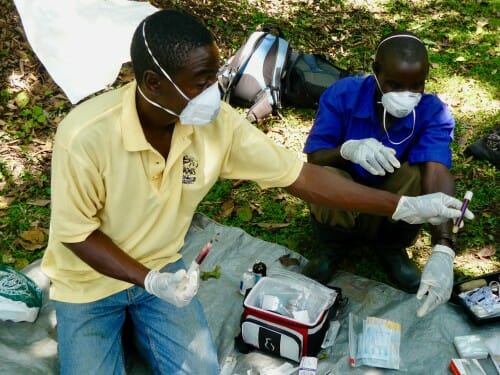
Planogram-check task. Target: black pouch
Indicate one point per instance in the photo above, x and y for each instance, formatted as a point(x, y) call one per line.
point(308, 76)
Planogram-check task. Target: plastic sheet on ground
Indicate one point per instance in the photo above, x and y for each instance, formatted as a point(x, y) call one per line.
point(426, 343)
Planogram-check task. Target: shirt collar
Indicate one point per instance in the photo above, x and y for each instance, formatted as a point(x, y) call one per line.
point(132, 133)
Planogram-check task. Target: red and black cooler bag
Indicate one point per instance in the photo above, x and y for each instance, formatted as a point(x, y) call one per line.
point(287, 316)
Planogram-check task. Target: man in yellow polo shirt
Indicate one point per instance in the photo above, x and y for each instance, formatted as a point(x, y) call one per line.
point(129, 168)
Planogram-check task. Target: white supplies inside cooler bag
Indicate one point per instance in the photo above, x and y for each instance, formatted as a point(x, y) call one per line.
point(287, 315)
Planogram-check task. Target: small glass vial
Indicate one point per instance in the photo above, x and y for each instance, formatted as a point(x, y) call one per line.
point(247, 281)
point(260, 270)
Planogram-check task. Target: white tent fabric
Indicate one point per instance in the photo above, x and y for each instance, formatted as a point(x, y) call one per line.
point(82, 43)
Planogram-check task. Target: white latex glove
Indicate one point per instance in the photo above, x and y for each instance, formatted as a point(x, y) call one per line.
point(436, 283)
point(176, 288)
point(371, 154)
point(435, 208)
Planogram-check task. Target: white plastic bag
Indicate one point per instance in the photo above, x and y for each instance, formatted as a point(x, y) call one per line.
point(20, 297)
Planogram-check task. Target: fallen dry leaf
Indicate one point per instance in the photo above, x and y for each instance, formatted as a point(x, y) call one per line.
point(34, 235)
point(31, 246)
point(227, 208)
point(287, 260)
point(39, 202)
point(32, 239)
point(486, 252)
point(273, 225)
point(5, 202)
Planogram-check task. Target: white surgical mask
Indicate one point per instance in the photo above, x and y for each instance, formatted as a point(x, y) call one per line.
point(201, 110)
point(399, 104)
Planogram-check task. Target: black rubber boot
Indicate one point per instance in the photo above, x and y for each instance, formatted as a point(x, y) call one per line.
point(332, 248)
point(393, 239)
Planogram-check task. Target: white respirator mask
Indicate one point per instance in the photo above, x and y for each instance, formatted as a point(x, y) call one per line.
point(399, 103)
point(201, 110)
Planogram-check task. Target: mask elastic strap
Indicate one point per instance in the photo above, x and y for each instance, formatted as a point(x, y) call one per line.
point(158, 64)
point(156, 104)
point(387, 133)
point(378, 84)
point(397, 36)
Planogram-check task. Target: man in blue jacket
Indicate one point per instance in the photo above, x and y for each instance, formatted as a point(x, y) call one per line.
point(383, 131)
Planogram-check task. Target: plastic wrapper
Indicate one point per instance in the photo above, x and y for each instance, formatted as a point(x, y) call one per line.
point(293, 296)
point(470, 347)
point(374, 342)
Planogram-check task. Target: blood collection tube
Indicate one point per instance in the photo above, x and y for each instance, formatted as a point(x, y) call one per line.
point(465, 204)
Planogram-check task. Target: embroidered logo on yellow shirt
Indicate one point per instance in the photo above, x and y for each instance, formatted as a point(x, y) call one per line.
point(189, 169)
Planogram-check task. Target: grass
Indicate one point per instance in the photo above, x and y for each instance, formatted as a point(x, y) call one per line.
point(462, 41)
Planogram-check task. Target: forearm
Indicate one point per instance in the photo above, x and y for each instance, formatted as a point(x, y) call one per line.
point(437, 178)
point(100, 253)
point(327, 157)
point(320, 186)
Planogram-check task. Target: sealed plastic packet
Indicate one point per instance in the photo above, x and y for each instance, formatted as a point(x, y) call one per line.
point(470, 347)
point(374, 342)
point(20, 297)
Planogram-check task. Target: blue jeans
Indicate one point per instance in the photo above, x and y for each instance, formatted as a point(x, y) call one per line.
point(172, 340)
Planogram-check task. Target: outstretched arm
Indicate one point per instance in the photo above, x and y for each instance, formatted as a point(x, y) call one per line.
point(317, 185)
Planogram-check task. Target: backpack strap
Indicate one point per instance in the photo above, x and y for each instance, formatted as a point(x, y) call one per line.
point(259, 55)
point(251, 45)
point(279, 66)
point(231, 72)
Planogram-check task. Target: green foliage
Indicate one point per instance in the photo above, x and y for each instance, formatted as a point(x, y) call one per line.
point(5, 96)
point(33, 117)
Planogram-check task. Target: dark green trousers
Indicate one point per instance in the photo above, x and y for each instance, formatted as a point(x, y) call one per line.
point(373, 229)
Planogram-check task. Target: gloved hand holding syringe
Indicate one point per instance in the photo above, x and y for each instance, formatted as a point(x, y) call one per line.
point(201, 255)
point(180, 287)
point(195, 264)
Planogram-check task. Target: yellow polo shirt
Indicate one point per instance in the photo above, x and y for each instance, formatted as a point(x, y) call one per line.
point(106, 176)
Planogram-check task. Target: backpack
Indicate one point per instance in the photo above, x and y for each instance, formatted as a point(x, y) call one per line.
point(253, 76)
point(308, 76)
